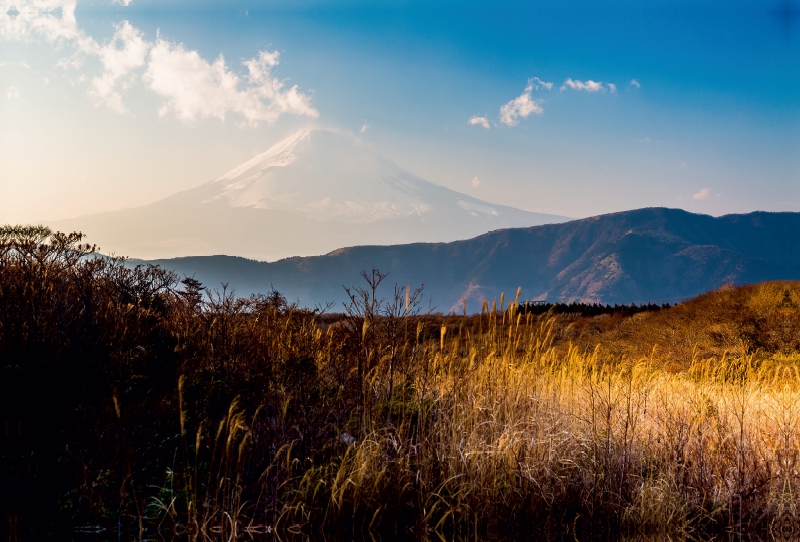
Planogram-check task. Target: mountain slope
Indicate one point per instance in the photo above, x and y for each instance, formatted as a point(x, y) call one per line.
point(651, 254)
point(311, 193)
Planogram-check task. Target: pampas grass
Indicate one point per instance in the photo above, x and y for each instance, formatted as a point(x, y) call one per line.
point(217, 416)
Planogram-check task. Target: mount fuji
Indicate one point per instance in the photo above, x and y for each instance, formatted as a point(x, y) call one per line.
point(314, 192)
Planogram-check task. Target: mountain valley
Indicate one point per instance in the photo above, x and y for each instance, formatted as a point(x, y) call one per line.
point(646, 255)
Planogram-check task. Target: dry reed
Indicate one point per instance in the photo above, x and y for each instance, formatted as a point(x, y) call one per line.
point(217, 416)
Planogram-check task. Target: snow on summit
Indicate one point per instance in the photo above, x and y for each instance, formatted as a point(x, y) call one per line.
point(313, 192)
point(328, 176)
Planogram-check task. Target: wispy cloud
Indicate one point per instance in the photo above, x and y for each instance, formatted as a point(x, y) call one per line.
point(523, 105)
point(703, 194)
point(479, 121)
point(48, 19)
point(364, 128)
point(635, 83)
point(612, 87)
point(476, 182)
point(537, 83)
point(12, 93)
point(125, 3)
point(195, 88)
point(589, 86)
point(125, 53)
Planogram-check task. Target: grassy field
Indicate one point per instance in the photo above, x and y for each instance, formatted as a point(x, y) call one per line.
point(133, 401)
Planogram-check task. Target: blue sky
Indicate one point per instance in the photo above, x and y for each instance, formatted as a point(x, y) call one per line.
point(711, 124)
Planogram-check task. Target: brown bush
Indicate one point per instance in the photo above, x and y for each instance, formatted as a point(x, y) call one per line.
point(130, 398)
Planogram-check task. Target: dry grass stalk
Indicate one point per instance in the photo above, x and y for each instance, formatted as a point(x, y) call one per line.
point(217, 416)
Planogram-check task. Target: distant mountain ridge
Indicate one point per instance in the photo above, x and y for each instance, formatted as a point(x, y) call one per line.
point(653, 254)
point(308, 194)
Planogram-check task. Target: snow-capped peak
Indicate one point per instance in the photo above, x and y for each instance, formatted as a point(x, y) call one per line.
point(325, 175)
point(279, 154)
point(309, 194)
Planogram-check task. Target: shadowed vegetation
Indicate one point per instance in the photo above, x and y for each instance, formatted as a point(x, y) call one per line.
point(133, 399)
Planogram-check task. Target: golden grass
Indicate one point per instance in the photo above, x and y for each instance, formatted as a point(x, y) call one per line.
point(511, 427)
point(221, 417)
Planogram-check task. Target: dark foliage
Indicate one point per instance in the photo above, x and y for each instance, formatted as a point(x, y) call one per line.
point(588, 309)
point(98, 360)
point(130, 397)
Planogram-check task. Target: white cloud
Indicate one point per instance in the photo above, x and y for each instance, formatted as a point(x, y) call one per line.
point(589, 86)
point(260, 66)
point(20, 64)
point(364, 128)
point(118, 63)
point(612, 87)
point(703, 194)
point(12, 93)
point(635, 83)
point(537, 83)
point(196, 89)
point(479, 121)
point(521, 106)
point(476, 182)
point(52, 20)
point(125, 3)
point(193, 87)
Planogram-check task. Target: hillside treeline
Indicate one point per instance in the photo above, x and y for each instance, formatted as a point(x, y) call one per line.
point(588, 309)
point(134, 401)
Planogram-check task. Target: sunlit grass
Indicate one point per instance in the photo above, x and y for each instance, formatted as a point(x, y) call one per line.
point(215, 416)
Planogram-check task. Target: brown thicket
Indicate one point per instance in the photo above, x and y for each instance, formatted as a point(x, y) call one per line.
point(135, 401)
